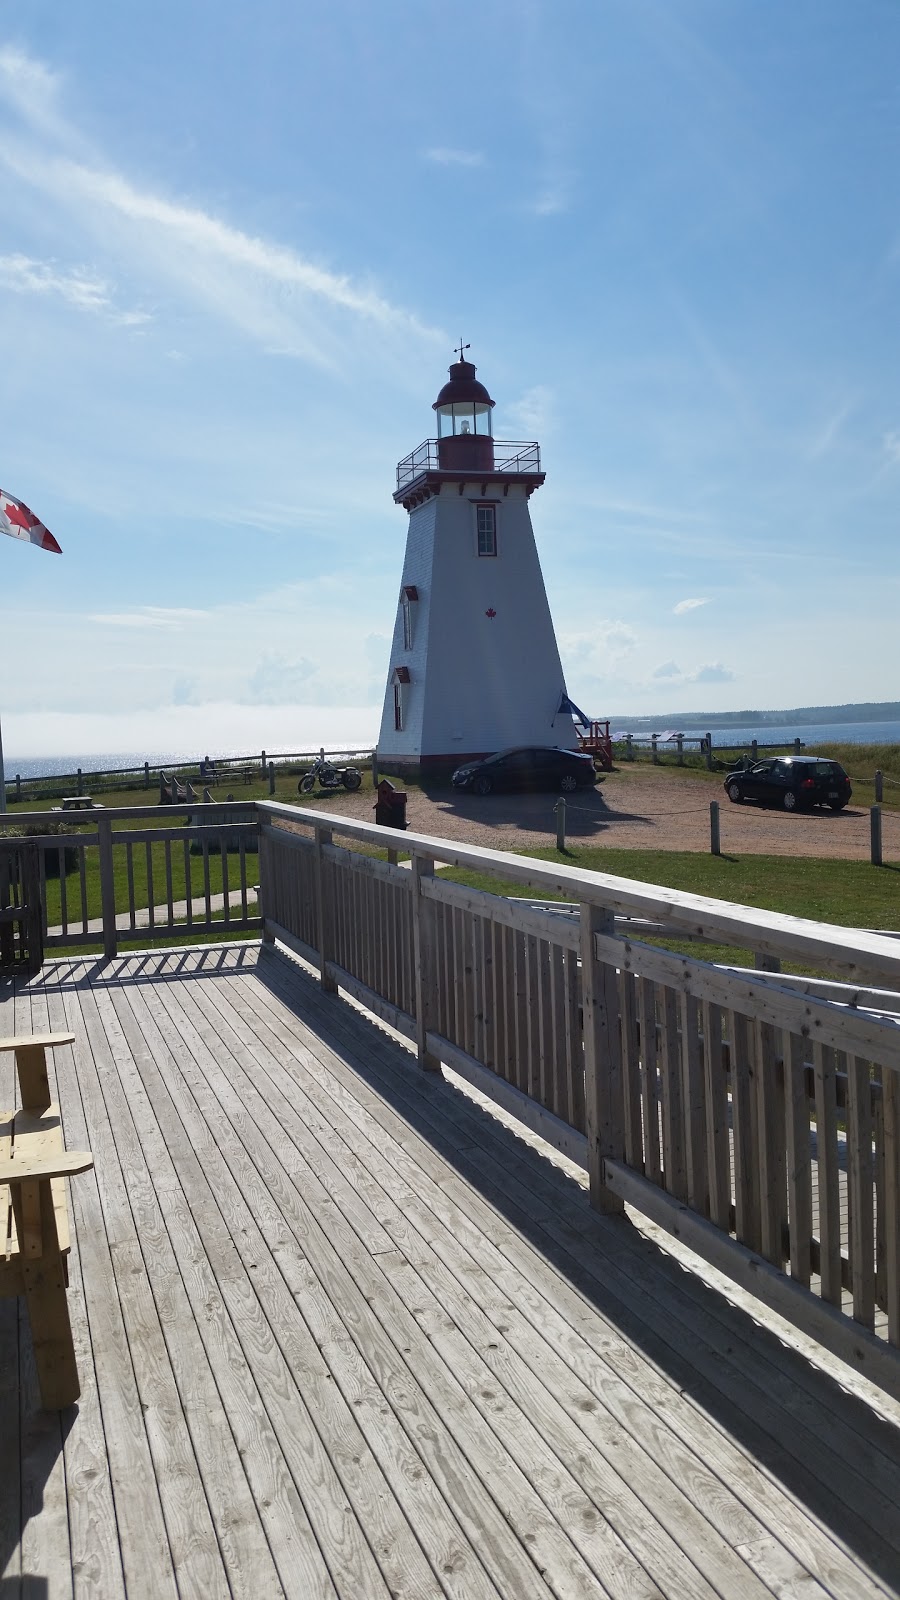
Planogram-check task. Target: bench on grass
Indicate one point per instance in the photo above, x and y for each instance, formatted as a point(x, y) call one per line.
point(34, 1216)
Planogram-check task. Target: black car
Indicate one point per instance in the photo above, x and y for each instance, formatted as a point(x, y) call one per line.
point(792, 782)
point(527, 767)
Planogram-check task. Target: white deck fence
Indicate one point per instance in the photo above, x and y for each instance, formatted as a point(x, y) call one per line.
point(753, 1114)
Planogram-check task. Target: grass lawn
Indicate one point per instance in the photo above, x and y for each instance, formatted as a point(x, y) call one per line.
point(852, 894)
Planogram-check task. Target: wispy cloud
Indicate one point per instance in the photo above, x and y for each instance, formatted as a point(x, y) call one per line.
point(688, 605)
point(148, 617)
point(269, 289)
point(443, 156)
point(24, 275)
point(831, 430)
point(713, 672)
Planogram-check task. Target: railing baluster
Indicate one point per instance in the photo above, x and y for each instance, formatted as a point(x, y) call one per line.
point(860, 1190)
point(797, 1141)
point(718, 1143)
point(132, 902)
point(827, 1169)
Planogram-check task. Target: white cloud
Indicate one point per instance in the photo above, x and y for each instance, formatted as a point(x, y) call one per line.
point(688, 605)
point(444, 157)
point(668, 669)
point(269, 290)
point(715, 672)
point(532, 413)
point(148, 617)
point(24, 275)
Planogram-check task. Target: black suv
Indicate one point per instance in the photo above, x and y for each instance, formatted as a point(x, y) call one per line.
point(793, 782)
point(527, 767)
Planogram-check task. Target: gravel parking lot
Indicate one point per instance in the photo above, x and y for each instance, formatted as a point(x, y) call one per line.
point(637, 808)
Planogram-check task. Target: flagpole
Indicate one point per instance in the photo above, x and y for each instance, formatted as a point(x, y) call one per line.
point(2, 777)
point(20, 523)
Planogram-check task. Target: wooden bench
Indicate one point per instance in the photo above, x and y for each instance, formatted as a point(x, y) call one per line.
point(34, 1216)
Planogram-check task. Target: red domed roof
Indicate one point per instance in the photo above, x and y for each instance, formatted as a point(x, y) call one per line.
point(463, 386)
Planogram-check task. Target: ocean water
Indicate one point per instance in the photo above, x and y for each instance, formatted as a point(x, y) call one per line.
point(50, 766)
point(771, 733)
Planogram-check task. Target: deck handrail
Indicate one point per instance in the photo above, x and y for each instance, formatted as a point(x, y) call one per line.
point(756, 1119)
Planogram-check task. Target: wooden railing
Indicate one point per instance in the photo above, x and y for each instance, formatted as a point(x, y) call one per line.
point(756, 1116)
point(101, 882)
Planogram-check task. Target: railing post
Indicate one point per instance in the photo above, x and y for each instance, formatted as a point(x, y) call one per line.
point(709, 755)
point(323, 913)
point(560, 809)
point(423, 956)
point(715, 843)
point(602, 1059)
point(879, 787)
point(875, 835)
point(107, 888)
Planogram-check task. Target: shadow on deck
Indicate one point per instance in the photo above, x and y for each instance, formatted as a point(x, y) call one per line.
point(342, 1331)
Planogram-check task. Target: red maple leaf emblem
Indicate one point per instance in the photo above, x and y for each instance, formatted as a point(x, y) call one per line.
point(19, 515)
point(490, 613)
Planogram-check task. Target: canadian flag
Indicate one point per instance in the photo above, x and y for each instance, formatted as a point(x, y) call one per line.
point(20, 523)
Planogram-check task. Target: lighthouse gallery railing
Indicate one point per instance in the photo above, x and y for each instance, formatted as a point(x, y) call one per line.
point(509, 456)
point(754, 1115)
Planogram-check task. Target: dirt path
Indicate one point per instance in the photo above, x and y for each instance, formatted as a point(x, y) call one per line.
point(636, 808)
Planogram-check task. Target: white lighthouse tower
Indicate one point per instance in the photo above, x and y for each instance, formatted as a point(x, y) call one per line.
point(474, 663)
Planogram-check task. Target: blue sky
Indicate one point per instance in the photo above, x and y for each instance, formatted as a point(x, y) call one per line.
point(237, 244)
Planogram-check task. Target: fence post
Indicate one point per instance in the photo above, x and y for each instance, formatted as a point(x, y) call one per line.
point(146, 774)
point(18, 790)
point(681, 749)
point(423, 956)
point(374, 769)
point(323, 912)
point(797, 746)
point(629, 753)
point(271, 777)
point(107, 888)
point(709, 758)
point(264, 763)
point(654, 753)
point(754, 749)
point(604, 1119)
point(78, 790)
point(560, 809)
point(715, 845)
point(879, 787)
point(875, 835)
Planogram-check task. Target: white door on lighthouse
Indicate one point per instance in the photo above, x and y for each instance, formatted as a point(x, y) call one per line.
point(474, 661)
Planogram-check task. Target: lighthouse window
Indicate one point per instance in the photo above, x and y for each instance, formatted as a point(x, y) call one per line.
point(487, 530)
point(407, 625)
point(398, 708)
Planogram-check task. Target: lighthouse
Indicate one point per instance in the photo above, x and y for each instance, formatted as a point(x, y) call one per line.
point(474, 663)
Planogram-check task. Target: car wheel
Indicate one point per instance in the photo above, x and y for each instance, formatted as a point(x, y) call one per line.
point(735, 793)
point(790, 801)
point(307, 783)
point(568, 782)
point(482, 786)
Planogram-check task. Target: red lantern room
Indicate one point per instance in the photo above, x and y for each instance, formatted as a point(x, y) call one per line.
point(465, 433)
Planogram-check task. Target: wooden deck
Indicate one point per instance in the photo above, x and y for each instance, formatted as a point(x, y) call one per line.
point(342, 1332)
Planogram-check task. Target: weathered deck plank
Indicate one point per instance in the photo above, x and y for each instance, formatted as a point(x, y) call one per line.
point(341, 1333)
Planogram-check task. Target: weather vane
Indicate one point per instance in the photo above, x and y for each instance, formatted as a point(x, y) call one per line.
point(462, 347)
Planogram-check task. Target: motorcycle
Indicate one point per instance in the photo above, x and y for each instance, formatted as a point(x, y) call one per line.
point(328, 776)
